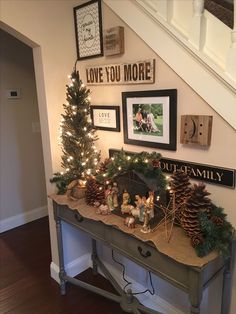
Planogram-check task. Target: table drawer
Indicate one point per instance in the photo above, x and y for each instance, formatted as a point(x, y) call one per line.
point(148, 256)
point(94, 228)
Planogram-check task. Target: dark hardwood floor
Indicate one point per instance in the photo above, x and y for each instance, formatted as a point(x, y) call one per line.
point(25, 283)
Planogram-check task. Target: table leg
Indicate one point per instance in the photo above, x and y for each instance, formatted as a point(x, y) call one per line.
point(195, 294)
point(94, 257)
point(227, 280)
point(62, 272)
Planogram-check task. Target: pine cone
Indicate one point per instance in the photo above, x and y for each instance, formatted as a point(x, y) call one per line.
point(94, 192)
point(218, 221)
point(197, 202)
point(103, 165)
point(156, 163)
point(197, 239)
point(180, 185)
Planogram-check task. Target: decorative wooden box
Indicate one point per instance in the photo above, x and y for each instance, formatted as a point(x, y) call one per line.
point(196, 129)
point(114, 41)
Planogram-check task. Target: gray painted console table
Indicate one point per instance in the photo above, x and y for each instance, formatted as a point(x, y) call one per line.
point(190, 279)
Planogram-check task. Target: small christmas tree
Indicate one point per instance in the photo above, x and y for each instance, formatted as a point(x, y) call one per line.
point(80, 156)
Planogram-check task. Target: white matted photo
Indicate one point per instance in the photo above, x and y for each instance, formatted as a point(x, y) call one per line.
point(106, 117)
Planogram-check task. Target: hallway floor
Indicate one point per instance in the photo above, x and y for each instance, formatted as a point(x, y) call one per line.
point(25, 283)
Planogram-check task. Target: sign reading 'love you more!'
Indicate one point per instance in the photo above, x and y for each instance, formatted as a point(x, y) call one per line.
point(125, 73)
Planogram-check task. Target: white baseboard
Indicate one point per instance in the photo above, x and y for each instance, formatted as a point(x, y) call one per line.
point(21, 219)
point(73, 268)
point(84, 262)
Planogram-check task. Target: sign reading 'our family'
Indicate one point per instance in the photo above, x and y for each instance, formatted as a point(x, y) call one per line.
point(125, 73)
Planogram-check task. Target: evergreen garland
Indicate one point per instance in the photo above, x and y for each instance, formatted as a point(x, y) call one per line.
point(144, 163)
point(217, 232)
point(80, 156)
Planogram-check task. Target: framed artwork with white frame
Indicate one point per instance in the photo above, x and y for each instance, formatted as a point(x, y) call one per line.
point(150, 118)
point(88, 29)
point(106, 118)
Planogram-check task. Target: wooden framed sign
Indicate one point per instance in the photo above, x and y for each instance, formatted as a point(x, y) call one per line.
point(141, 72)
point(88, 29)
point(106, 117)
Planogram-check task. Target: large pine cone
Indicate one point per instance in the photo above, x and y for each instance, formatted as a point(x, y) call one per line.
point(94, 192)
point(180, 185)
point(196, 203)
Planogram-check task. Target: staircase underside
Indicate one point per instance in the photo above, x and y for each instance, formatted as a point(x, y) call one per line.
point(205, 77)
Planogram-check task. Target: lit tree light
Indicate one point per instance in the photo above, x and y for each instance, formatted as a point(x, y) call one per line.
point(128, 157)
point(82, 85)
point(85, 129)
point(146, 161)
point(119, 168)
point(83, 163)
point(69, 76)
point(71, 84)
point(85, 110)
point(69, 133)
point(112, 158)
point(89, 98)
point(67, 169)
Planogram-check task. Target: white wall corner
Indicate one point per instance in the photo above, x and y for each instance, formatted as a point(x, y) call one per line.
point(73, 268)
point(21, 219)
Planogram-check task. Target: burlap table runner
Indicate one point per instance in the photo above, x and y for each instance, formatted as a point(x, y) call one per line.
point(178, 248)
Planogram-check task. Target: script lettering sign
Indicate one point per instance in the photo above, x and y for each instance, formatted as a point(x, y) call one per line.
point(211, 174)
point(125, 73)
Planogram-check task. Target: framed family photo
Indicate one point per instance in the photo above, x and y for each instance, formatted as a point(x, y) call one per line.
point(88, 29)
point(106, 118)
point(150, 118)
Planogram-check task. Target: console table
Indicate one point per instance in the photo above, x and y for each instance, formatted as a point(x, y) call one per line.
point(165, 260)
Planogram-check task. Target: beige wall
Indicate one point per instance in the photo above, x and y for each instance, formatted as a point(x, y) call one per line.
point(22, 186)
point(50, 28)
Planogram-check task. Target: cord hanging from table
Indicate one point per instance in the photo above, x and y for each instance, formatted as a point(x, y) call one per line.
point(130, 283)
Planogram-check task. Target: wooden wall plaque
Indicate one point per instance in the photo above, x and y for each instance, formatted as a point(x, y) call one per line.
point(114, 41)
point(196, 129)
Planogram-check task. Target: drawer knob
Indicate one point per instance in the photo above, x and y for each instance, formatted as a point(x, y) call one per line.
point(146, 254)
point(78, 217)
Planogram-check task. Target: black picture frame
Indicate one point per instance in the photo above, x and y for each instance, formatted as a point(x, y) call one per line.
point(88, 29)
point(106, 118)
point(158, 128)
